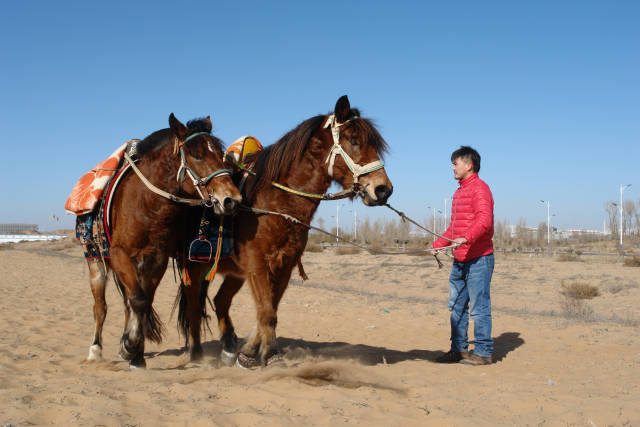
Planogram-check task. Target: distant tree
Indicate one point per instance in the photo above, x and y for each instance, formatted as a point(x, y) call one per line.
point(541, 234)
point(612, 211)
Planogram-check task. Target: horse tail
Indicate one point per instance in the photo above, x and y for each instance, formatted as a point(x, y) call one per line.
point(119, 284)
point(204, 297)
point(180, 302)
point(153, 327)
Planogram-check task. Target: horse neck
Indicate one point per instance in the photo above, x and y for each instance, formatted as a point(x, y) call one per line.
point(161, 168)
point(309, 175)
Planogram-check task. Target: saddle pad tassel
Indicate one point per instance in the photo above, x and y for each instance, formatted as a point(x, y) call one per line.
point(185, 277)
point(212, 273)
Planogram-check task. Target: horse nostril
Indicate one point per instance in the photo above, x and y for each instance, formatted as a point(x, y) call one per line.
point(230, 205)
point(383, 192)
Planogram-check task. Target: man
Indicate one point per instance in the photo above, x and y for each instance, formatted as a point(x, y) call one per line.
point(471, 229)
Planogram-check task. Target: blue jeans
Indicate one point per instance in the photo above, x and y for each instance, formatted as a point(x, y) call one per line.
point(469, 286)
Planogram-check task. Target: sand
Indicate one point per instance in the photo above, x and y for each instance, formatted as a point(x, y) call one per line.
point(360, 339)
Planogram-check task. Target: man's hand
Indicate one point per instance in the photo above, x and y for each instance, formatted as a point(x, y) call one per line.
point(459, 242)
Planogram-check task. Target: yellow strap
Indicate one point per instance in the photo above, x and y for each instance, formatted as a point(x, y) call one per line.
point(212, 273)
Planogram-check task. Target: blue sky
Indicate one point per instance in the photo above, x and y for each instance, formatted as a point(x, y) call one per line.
point(548, 92)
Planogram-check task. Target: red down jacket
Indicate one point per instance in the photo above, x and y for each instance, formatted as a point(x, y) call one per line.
point(471, 218)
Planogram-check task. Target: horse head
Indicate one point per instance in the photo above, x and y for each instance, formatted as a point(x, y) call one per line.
point(201, 170)
point(354, 160)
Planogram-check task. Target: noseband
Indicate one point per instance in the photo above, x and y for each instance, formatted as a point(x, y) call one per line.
point(198, 182)
point(355, 168)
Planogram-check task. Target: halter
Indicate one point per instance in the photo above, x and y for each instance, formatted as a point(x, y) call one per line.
point(197, 181)
point(355, 168)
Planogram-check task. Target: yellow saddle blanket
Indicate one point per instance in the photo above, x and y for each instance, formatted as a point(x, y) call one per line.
point(240, 148)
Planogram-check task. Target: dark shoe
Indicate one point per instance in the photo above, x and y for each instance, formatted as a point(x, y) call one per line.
point(452, 356)
point(475, 360)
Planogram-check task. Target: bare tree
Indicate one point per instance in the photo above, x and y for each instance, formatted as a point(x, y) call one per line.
point(612, 210)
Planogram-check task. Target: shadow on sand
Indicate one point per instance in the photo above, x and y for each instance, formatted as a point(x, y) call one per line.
point(369, 355)
point(362, 353)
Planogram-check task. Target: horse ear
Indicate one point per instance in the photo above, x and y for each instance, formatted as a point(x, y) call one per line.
point(208, 123)
point(177, 127)
point(343, 109)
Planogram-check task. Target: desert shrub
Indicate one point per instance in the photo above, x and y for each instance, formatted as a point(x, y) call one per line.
point(576, 309)
point(6, 246)
point(63, 244)
point(419, 252)
point(313, 247)
point(579, 290)
point(347, 250)
point(570, 257)
point(633, 261)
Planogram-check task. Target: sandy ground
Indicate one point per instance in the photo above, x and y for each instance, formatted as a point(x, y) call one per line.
point(360, 338)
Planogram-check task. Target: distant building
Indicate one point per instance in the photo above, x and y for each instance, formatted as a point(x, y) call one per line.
point(18, 228)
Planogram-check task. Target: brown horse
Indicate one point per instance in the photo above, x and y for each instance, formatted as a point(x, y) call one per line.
point(147, 228)
point(340, 147)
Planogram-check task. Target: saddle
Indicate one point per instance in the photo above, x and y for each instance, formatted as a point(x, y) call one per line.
point(88, 190)
point(89, 201)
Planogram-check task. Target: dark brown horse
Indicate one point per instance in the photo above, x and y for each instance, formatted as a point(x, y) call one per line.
point(340, 147)
point(146, 228)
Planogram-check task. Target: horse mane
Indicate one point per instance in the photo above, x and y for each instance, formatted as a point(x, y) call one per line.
point(277, 158)
point(158, 139)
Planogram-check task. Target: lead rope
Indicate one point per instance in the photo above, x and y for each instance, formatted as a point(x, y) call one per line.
point(370, 250)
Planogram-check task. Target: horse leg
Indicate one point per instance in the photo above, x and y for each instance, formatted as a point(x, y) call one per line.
point(141, 319)
point(98, 281)
point(194, 313)
point(261, 344)
point(222, 302)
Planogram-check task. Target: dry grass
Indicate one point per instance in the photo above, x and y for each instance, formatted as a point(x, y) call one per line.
point(633, 261)
point(313, 247)
point(579, 290)
point(570, 257)
point(418, 252)
point(576, 309)
point(6, 246)
point(347, 250)
point(62, 244)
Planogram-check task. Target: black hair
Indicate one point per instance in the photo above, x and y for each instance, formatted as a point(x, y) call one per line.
point(467, 153)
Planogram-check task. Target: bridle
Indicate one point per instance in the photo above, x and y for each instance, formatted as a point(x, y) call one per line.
point(198, 183)
point(355, 168)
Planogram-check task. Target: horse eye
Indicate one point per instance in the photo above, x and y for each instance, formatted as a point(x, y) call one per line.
point(354, 142)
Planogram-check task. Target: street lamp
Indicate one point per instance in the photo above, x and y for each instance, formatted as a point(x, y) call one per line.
point(445, 212)
point(548, 221)
point(355, 223)
point(434, 220)
point(622, 188)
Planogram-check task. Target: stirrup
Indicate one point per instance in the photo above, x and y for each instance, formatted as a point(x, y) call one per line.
point(203, 241)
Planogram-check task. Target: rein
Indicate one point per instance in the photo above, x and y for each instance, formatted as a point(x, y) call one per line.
point(351, 242)
point(325, 196)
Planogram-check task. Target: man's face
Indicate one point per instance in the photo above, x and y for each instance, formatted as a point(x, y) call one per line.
point(462, 169)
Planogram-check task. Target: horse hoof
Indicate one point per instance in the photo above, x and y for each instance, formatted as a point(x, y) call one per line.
point(228, 358)
point(247, 362)
point(124, 354)
point(196, 355)
point(137, 364)
point(95, 353)
point(276, 360)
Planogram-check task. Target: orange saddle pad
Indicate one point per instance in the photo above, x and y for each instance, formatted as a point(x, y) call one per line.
point(85, 195)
